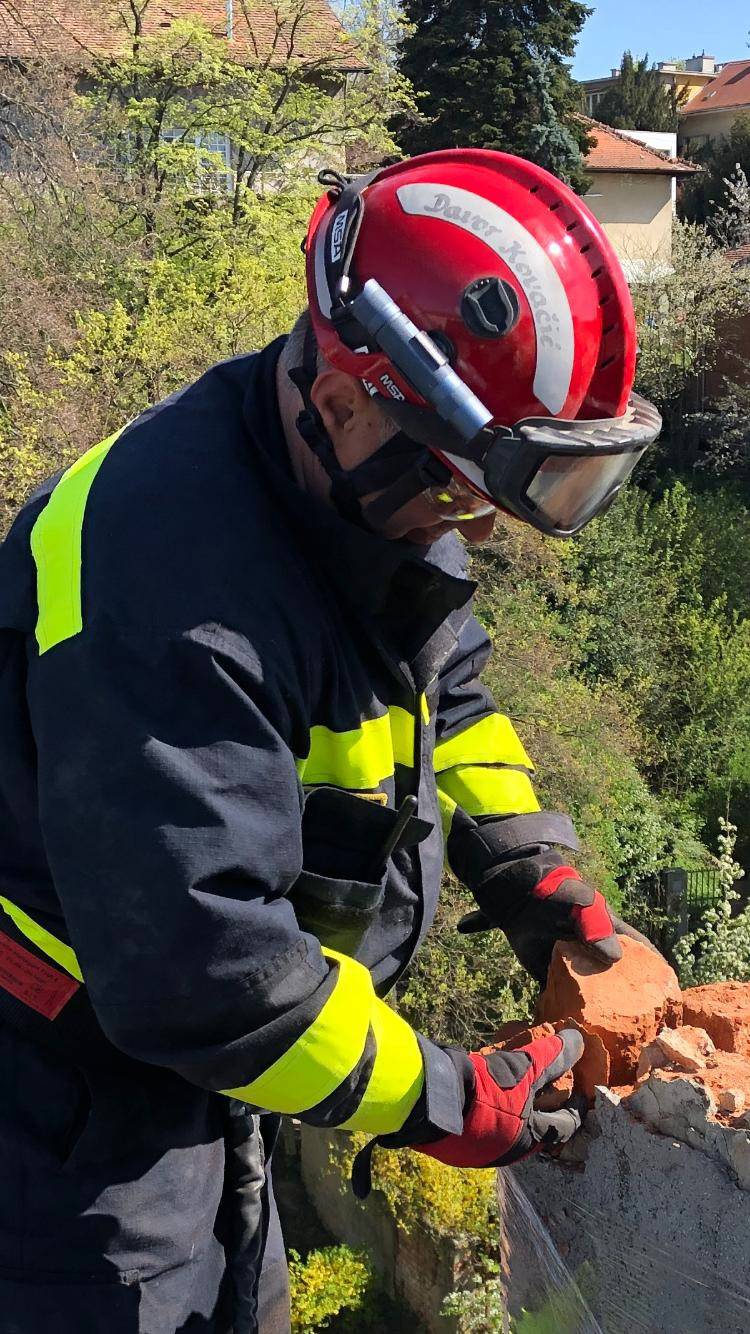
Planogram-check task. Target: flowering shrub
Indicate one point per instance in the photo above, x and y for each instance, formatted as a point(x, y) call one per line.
point(333, 1279)
point(719, 949)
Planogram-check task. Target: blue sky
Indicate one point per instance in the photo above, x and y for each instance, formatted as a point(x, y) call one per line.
point(665, 28)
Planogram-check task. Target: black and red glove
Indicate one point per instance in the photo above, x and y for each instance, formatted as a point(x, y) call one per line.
point(501, 1123)
point(559, 905)
point(531, 893)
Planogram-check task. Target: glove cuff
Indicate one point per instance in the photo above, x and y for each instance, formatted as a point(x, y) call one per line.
point(476, 848)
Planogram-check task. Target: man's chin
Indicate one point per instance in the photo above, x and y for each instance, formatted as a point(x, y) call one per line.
point(425, 537)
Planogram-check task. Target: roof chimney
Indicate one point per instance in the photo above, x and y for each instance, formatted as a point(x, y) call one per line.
point(230, 20)
point(701, 64)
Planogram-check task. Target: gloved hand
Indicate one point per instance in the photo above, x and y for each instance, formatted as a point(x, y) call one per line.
point(555, 903)
point(501, 1123)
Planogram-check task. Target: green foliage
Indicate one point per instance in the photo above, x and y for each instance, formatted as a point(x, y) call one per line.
point(639, 99)
point(422, 1192)
point(326, 1282)
point(580, 731)
point(477, 70)
point(719, 949)
point(641, 599)
point(551, 144)
point(462, 988)
point(165, 100)
point(709, 190)
point(730, 223)
point(479, 1308)
point(133, 255)
point(681, 311)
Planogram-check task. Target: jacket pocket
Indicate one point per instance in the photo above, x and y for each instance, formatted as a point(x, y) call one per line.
point(337, 912)
point(346, 844)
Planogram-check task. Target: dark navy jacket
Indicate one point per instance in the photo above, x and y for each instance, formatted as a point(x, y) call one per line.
point(153, 774)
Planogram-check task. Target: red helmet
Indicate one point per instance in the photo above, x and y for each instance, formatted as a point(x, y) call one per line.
point(481, 300)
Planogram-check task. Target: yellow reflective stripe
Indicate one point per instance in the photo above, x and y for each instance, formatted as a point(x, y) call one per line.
point(492, 740)
point(402, 732)
point(56, 548)
point(47, 943)
point(397, 1075)
point(483, 790)
point(424, 706)
point(361, 757)
point(447, 811)
point(322, 1057)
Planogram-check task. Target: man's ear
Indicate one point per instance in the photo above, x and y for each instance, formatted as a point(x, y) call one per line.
point(340, 400)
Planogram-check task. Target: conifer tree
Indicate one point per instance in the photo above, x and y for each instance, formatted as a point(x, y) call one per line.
point(639, 100)
point(476, 64)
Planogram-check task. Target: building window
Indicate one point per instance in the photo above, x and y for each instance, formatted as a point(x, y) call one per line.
point(213, 156)
point(214, 152)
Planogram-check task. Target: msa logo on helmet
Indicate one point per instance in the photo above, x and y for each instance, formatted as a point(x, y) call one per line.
point(388, 383)
point(392, 388)
point(337, 236)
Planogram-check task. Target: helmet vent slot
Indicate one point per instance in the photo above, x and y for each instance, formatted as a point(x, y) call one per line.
point(585, 248)
point(597, 273)
point(604, 364)
point(572, 226)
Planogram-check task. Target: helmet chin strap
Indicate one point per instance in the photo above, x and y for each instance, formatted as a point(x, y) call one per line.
point(400, 469)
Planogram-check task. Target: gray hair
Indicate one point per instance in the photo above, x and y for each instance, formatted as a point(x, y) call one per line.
point(294, 348)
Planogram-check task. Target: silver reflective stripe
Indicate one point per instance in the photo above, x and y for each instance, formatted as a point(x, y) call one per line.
point(529, 263)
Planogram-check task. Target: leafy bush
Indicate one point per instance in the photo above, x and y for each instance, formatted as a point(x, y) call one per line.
point(719, 949)
point(328, 1281)
point(422, 1192)
point(460, 989)
point(556, 646)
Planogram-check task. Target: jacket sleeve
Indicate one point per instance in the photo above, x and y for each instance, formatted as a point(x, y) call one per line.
point(171, 812)
point(483, 772)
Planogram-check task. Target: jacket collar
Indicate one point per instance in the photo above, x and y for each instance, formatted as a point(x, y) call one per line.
point(413, 598)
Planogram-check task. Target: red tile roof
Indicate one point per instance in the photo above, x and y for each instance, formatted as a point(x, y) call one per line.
point(613, 151)
point(740, 255)
point(75, 30)
point(730, 88)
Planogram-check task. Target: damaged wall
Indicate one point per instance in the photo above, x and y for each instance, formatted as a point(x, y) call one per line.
point(650, 1204)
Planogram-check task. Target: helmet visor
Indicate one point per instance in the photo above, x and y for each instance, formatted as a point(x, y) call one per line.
point(568, 490)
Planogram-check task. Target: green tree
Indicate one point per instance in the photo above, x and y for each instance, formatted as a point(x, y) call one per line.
point(639, 598)
point(551, 144)
point(134, 253)
point(476, 67)
point(730, 223)
point(172, 97)
point(708, 191)
point(681, 311)
point(638, 99)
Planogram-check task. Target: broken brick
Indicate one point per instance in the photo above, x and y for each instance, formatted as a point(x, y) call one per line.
point(723, 1009)
point(652, 1057)
point(518, 1033)
point(624, 1004)
point(732, 1101)
point(686, 1047)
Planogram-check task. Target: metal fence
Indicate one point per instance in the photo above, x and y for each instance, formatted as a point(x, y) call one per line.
point(680, 897)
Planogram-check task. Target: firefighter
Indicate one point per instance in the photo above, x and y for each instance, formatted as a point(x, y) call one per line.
point(241, 725)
